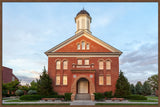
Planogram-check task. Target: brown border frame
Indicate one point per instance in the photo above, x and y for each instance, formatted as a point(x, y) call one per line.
point(77, 1)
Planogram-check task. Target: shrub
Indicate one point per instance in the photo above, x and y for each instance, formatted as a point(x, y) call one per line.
point(31, 92)
point(54, 96)
point(136, 97)
point(31, 97)
point(4, 93)
point(99, 96)
point(67, 96)
point(108, 94)
point(19, 92)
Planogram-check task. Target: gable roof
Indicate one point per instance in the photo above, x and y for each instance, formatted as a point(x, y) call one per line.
point(76, 36)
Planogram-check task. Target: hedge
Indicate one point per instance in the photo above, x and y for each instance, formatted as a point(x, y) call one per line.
point(31, 97)
point(136, 97)
point(67, 96)
point(39, 97)
point(99, 96)
point(108, 94)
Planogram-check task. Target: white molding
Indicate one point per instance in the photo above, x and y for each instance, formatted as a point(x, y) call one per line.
point(83, 55)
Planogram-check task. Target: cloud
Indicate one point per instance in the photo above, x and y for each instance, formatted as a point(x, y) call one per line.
point(141, 63)
point(25, 80)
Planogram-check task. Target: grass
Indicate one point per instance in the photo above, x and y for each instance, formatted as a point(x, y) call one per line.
point(121, 104)
point(143, 100)
point(40, 104)
point(152, 97)
point(17, 100)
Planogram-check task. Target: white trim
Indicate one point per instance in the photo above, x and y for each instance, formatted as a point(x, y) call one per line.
point(107, 46)
point(83, 55)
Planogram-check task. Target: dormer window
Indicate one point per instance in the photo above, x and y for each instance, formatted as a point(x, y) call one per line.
point(87, 46)
point(78, 46)
point(83, 45)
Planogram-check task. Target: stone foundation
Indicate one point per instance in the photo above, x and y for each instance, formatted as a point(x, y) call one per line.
point(92, 97)
point(72, 97)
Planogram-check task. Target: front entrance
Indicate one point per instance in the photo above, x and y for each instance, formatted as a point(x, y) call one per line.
point(82, 85)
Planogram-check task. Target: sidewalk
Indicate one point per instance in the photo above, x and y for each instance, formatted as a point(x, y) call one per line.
point(78, 102)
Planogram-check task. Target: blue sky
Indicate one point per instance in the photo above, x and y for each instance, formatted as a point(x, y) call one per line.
point(30, 29)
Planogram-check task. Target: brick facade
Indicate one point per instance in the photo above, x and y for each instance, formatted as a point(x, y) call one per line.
point(8, 75)
point(97, 51)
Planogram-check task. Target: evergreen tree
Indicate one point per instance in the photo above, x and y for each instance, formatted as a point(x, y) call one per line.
point(33, 85)
point(44, 84)
point(132, 89)
point(146, 88)
point(122, 86)
point(138, 88)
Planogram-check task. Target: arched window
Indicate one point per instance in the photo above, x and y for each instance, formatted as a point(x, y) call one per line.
point(83, 24)
point(65, 64)
point(108, 65)
point(101, 64)
point(87, 46)
point(83, 45)
point(58, 65)
point(78, 25)
point(78, 46)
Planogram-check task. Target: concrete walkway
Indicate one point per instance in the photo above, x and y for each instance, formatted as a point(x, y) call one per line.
point(82, 102)
point(78, 102)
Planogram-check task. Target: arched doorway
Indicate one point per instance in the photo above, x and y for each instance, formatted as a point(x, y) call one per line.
point(82, 86)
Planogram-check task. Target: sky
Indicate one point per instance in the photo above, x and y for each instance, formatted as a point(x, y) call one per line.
point(30, 29)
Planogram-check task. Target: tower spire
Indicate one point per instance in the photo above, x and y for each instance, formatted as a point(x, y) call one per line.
point(83, 21)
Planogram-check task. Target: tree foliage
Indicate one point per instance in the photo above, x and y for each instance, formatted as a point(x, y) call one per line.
point(138, 88)
point(33, 85)
point(132, 89)
point(44, 84)
point(153, 81)
point(122, 86)
point(146, 88)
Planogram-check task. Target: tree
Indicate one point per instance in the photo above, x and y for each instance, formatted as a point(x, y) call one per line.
point(33, 85)
point(12, 86)
point(153, 81)
point(44, 84)
point(146, 88)
point(122, 86)
point(25, 88)
point(138, 88)
point(132, 89)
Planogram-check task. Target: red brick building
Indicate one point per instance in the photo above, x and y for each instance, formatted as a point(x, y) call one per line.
point(8, 75)
point(83, 63)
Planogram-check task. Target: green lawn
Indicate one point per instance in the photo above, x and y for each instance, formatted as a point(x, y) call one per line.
point(152, 97)
point(121, 104)
point(17, 100)
point(40, 104)
point(143, 100)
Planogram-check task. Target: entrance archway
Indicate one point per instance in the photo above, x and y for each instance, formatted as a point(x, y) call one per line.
point(82, 86)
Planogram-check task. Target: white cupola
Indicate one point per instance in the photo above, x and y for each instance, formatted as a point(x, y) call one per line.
point(83, 21)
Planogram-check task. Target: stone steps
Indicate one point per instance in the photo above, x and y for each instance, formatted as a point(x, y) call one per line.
point(83, 97)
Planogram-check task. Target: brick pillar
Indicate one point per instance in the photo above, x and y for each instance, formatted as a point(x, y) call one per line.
point(72, 97)
point(92, 97)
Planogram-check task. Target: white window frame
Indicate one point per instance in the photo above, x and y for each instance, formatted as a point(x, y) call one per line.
point(87, 62)
point(108, 65)
point(101, 80)
point(78, 46)
point(58, 64)
point(65, 64)
point(87, 46)
point(101, 65)
point(78, 62)
point(58, 77)
point(83, 45)
point(108, 80)
point(65, 83)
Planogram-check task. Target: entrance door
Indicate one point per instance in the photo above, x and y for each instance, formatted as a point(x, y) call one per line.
point(83, 86)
